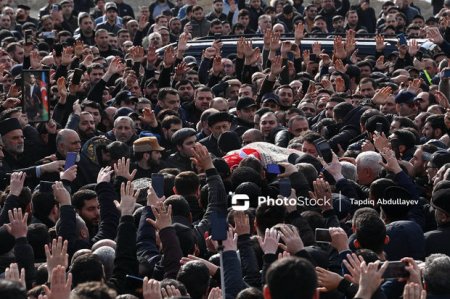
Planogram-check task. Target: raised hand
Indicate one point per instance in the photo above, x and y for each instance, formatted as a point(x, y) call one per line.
point(116, 66)
point(152, 57)
point(277, 66)
point(269, 244)
point(340, 84)
point(169, 57)
point(163, 216)
point(275, 42)
point(152, 197)
point(16, 183)
point(67, 56)
point(299, 32)
point(370, 279)
point(391, 161)
point(78, 48)
point(434, 35)
point(12, 274)
point(201, 157)
point(70, 174)
point(62, 196)
point(254, 57)
point(151, 289)
point(316, 48)
point(353, 265)
point(322, 192)
point(217, 67)
point(182, 45)
point(137, 53)
point(339, 48)
point(328, 281)
point(292, 241)
point(143, 22)
point(339, 239)
point(414, 291)
point(286, 47)
point(215, 293)
point(127, 198)
point(17, 226)
point(230, 244)
point(241, 223)
point(381, 95)
point(57, 256)
point(104, 175)
point(212, 268)
point(122, 168)
point(60, 286)
point(170, 291)
point(62, 90)
point(379, 43)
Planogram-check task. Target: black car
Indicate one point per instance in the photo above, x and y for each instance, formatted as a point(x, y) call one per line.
point(365, 46)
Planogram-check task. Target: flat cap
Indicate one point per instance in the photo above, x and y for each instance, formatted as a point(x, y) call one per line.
point(146, 144)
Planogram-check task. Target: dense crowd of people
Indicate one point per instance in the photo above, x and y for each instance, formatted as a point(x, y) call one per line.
point(276, 172)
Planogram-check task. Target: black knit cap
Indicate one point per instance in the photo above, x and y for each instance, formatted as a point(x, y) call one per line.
point(8, 125)
point(218, 117)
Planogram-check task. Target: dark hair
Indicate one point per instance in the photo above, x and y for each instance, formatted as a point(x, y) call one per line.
point(341, 110)
point(250, 293)
point(93, 289)
point(180, 206)
point(405, 122)
point(371, 232)
point(43, 203)
point(163, 92)
point(245, 174)
point(437, 122)
point(86, 268)
point(195, 276)
point(173, 282)
point(268, 216)
point(38, 236)
point(12, 290)
point(81, 196)
point(187, 183)
point(291, 277)
point(170, 120)
point(405, 137)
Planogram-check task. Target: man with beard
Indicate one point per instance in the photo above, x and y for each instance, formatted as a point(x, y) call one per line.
point(86, 127)
point(12, 149)
point(87, 206)
point(147, 154)
point(217, 12)
point(202, 97)
point(69, 20)
point(110, 23)
point(23, 15)
point(124, 130)
point(185, 90)
point(184, 139)
point(245, 112)
point(102, 43)
point(169, 125)
point(86, 29)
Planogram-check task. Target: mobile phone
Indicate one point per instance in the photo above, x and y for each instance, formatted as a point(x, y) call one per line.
point(324, 150)
point(134, 277)
point(45, 186)
point(58, 49)
point(395, 146)
point(395, 269)
point(55, 7)
point(28, 36)
point(158, 184)
point(285, 187)
point(323, 235)
point(18, 81)
point(76, 78)
point(129, 63)
point(273, 168)
point(219, 226)
point(447, 73)
point(217, 36)
point(48, 34)
point(402, 39)
point(379, 128)
point(71, 159)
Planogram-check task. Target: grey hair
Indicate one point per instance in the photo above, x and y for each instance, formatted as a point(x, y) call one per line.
point(370, 160)
point(348, 170)
point(120, 118)
point(435, 274)
point(106, 256)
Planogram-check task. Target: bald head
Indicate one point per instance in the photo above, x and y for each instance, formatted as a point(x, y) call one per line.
point(252, 135)
point(67, 140)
